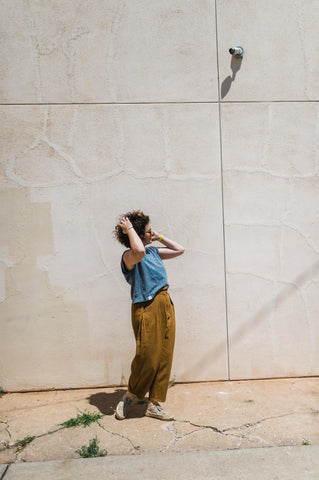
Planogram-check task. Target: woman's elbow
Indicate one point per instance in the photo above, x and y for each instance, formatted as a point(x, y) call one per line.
point(139, 254)
point(181, 250)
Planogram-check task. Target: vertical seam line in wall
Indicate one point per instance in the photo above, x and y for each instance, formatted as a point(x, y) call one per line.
point(222, 188)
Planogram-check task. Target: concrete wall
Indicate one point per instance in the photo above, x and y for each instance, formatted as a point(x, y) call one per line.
point(111, 105)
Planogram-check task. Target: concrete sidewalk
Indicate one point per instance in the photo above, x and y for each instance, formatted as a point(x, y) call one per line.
point(282, 463)
point(222, 429)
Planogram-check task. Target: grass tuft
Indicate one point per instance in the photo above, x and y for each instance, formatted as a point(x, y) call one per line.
point(92, 450)
point(171, 383)
point(85, 418)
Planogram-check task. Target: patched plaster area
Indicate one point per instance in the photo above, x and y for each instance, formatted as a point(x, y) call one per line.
point(35, 316)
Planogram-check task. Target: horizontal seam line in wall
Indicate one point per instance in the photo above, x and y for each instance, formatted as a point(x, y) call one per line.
point(163, 103)
point(111, 103)
point(225, 380)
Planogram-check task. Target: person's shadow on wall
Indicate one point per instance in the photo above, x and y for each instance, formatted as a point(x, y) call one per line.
point(107, 402)
point(227, 83)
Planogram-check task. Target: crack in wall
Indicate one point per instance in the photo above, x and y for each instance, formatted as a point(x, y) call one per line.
point(69, 53)
point(66, 157)
point(116, 22)
point(166, 140)
point(55, 42)
point(35, 56)
point(254, 171)
point(272, 280)
point(301, 33)
point(118, 123)
point(12, 176)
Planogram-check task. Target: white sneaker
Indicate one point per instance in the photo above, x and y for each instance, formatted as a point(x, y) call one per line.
point(122, 408)
point(156, 411)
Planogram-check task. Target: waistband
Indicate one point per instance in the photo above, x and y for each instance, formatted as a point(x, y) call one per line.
point(163, 289)
point(148, 302)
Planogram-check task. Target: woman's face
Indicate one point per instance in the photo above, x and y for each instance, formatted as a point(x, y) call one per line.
point(147, 235)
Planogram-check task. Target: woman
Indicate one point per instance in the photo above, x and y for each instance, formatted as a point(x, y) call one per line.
point(153, 317)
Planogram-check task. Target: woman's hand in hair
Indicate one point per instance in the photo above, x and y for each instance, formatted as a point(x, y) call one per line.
point(137, 251)
point(125, 224)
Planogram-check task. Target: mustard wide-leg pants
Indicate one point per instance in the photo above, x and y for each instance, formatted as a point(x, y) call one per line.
point(154, 329)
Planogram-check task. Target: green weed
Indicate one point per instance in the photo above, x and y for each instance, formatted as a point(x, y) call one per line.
point(20, 444)
point(85, 418)
point(92, 450)
point(171, 383)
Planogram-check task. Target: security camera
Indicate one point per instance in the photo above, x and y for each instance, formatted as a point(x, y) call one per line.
point(237, 52)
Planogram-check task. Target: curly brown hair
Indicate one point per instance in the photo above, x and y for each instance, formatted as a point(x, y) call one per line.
point(139, 222)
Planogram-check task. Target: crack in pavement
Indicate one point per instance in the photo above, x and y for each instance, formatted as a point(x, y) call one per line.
point(6, 428)
point(175, 439)
point(20, 450)
point(136, 447)
point(17, 444)
point(8, 445)
point(199, 428)
point(224, 431)
point(258, 422)
point(172, 428)
point(245, 425)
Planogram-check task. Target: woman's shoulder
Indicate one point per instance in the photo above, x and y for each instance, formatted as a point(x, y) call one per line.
point(123, 266)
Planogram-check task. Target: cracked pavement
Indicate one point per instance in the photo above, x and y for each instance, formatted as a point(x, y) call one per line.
point(208, 416)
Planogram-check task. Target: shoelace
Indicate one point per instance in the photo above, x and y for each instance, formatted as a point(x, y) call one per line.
point(127, 403)
point(158, 408)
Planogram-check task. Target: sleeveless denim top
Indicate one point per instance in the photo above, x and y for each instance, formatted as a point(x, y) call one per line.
point(147, 277)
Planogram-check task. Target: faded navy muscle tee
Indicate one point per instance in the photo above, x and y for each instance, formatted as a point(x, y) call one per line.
point(147, 277)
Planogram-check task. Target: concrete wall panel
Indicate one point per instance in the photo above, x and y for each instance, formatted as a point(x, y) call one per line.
point(271, 217)
point(108, 51)
point(62, 280)
point(280, 40)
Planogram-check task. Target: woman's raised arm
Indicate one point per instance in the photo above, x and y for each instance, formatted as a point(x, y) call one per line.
point(172, 249)
point(137, 252)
